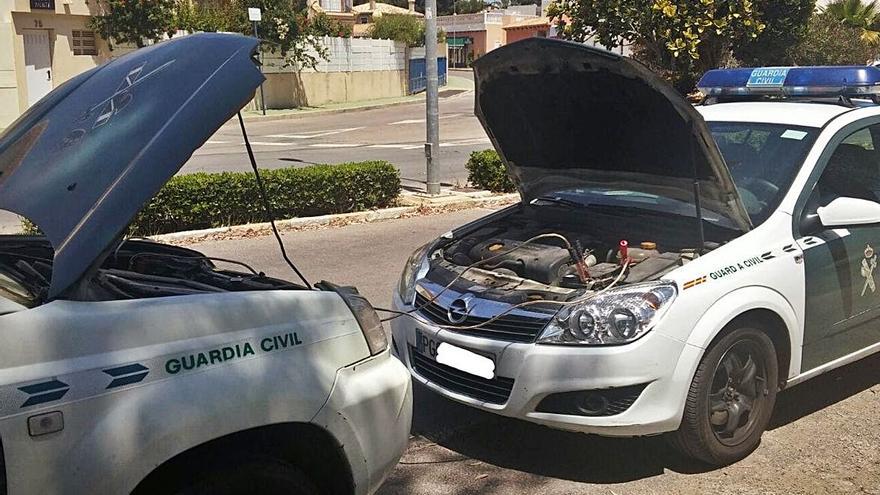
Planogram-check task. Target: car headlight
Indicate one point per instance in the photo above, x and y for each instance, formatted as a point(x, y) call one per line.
point(618, 316)
point(415, 268)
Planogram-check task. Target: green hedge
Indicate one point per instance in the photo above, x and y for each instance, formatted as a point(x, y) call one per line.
point(204, 200)
point(487, 171)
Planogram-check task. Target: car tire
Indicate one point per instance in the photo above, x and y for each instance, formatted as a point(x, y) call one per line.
point(730, 400)
point(263, 476)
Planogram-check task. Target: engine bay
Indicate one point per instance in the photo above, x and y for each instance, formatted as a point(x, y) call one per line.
point(134, 269)
point(553, 253)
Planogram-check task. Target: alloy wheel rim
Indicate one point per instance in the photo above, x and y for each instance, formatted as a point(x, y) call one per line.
point(738, 392)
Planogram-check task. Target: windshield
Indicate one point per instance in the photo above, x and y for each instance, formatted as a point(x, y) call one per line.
point(762, 158)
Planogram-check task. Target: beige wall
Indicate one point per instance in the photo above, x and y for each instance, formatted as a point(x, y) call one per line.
point(16, 16)
point(291, 90)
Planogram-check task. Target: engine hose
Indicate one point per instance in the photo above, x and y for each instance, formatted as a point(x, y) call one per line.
point(476, 264)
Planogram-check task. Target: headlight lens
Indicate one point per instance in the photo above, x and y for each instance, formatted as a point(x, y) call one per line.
point(615, 317)
point(415, 268)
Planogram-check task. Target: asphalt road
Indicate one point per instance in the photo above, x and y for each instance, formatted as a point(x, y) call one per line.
point(394, 133)
point(824, 436)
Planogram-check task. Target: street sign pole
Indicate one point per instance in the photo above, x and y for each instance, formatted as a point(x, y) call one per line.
point(255, 15)
point(432, 147)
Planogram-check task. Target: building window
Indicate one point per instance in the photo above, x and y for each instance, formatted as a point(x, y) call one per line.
point(84, 43)
point(332, 5)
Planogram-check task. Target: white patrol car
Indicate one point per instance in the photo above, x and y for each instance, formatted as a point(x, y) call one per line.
point(137, 367)
point(645, 285)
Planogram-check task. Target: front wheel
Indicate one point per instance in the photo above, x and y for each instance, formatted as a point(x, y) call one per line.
point(730, 400)
point(263, 476)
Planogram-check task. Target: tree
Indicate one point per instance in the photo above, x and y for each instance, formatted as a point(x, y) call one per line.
point(681, 38)
point(856, 14)
point(786, 25)
point(133, 21)
point(406, 28)
point(830, 42)
point(322, 25)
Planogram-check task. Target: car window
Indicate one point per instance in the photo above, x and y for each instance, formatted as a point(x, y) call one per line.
point(853, 170)
point(763, 159)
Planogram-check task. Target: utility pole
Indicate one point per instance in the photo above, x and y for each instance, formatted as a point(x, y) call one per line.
point(255, 15)
point(432, 110)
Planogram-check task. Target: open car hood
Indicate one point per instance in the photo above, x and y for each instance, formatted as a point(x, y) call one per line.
point(564, 115)
point(83, 160)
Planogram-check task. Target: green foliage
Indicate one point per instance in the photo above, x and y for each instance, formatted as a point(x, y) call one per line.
point(203, 200)
point(786, 22)
point(468, 6)
point(284, 28)
point(830, 42)
point(206, 15)
point(133, 21)
point(406, 28)
point(487, 171)
point(856, 14)
point(322, 25)
point(680, 37)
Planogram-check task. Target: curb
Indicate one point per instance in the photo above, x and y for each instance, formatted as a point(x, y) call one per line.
point(329, 111)
point(462, 201)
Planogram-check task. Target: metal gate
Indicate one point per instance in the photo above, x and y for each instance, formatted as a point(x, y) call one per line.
point(418, 80)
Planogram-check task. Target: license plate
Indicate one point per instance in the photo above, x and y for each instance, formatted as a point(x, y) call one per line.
point(455, 357)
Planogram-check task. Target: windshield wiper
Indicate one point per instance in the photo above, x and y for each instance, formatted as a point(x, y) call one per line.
point(560, 202)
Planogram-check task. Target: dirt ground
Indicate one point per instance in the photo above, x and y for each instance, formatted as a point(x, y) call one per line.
point(824, 438)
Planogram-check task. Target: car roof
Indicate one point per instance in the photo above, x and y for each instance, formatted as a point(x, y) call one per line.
point(805, 114)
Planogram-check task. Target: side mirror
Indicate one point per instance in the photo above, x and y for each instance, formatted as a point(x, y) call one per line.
point(847, 212)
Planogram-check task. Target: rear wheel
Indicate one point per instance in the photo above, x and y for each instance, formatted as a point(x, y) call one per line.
point(730, 400)
point(263, 476)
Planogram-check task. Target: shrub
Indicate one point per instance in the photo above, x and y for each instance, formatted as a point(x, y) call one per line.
point(406, 28)
point(322, 25)
point(831, 42)
point(487, 171)
point(205, 200)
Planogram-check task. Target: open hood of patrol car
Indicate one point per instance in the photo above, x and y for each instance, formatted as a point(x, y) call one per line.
point(564, 115)
point(82, 161)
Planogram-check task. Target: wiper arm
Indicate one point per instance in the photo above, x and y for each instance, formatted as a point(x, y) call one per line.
point(560, 202)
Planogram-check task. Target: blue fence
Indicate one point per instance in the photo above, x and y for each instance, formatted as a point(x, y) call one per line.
point(418, 77)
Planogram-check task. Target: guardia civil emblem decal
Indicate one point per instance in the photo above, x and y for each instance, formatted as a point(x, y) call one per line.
point(868, 266)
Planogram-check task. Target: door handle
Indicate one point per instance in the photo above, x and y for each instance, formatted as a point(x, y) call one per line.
point(49, 75)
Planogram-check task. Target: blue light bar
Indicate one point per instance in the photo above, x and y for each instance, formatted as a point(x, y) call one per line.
point(830, 81)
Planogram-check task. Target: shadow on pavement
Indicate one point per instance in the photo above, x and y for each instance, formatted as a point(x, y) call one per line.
point(825, 390)
point(519, 445)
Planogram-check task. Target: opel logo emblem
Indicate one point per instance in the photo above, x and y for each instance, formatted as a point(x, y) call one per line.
point(459, 309)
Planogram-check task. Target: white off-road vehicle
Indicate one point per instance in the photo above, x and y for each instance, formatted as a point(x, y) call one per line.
point(132, 366)
point(670, 268)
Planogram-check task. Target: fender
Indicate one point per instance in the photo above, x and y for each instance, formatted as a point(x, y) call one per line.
point(743, 299)
point(205, 406)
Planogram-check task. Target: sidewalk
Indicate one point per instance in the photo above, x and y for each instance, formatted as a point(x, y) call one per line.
point(455, 85)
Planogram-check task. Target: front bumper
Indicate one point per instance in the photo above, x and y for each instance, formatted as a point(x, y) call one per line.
point(369, 412)
point(661, 364)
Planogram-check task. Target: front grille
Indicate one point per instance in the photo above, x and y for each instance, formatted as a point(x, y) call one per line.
point(513, 328)
point(494, 391)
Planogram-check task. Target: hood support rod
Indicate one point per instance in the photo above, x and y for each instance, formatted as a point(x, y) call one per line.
point(267, 206)
point(697, 203)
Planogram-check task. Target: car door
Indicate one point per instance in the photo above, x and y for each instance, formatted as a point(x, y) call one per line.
point(842, 281)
